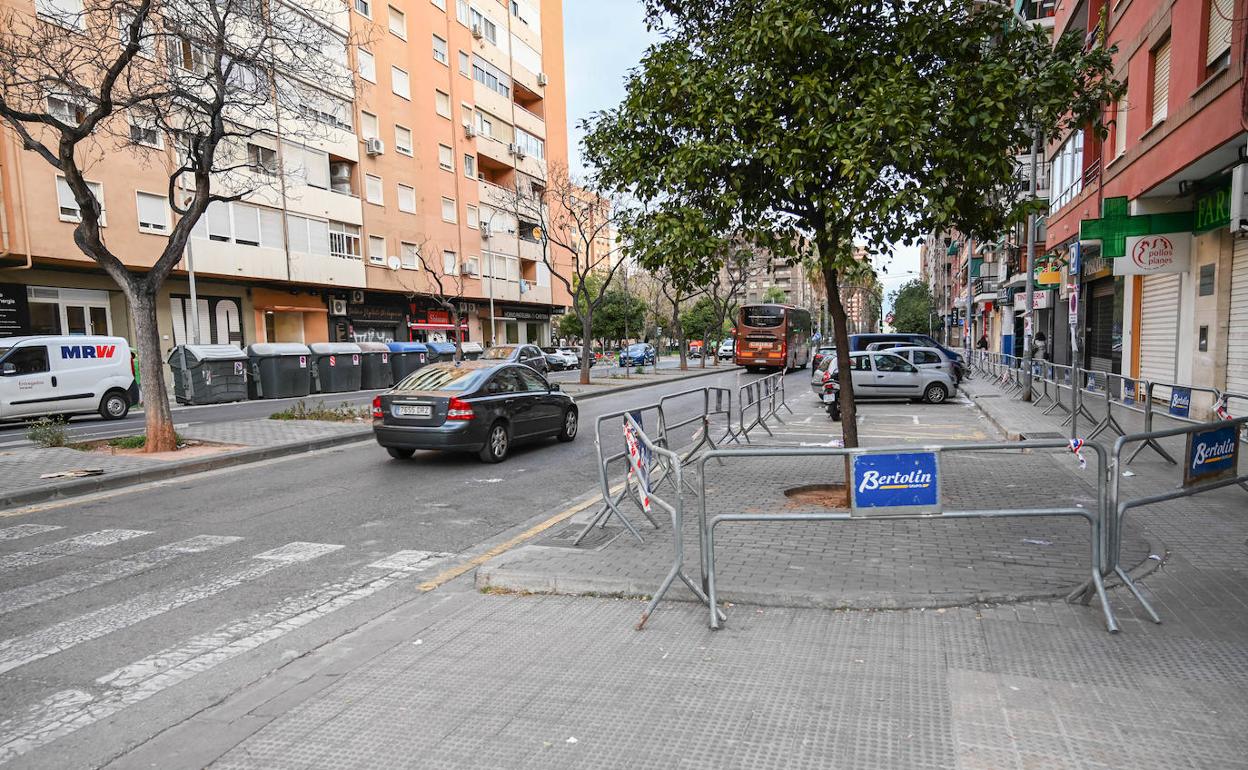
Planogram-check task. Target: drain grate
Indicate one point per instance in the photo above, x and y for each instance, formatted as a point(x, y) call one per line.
point(598, 537)
point(1040, 434)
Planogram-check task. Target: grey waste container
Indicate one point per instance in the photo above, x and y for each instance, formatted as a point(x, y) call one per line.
point(472, 350)
point(375, 371)
point(213, 374)
point(407, 357)
point(441, 351)
point(279, 370)
point(335, 366)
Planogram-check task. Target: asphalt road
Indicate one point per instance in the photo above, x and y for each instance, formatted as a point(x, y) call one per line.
point(126, 613)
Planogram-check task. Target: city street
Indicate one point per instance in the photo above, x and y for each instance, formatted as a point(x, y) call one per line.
point(109, 602)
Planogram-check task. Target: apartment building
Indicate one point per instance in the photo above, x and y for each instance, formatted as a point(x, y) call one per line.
point(789, 279)
point(1148, 235)
point(442, 107)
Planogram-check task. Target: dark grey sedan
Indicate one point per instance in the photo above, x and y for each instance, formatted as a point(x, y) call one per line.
point(476, 406)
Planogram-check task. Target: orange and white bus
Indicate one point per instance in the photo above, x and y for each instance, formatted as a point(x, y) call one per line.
point(772, 337)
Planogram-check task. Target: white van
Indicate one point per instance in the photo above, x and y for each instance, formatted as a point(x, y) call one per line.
point(65, 375)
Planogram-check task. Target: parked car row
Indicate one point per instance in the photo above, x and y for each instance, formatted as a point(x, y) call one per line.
point(886, 375)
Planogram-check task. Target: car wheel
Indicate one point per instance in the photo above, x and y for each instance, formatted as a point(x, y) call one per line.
point(399, 453)
point(571, 421)
point(935, 393)
point(497, 444)
point(114, 406)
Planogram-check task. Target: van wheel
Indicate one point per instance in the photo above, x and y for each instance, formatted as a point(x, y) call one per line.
point(115, 405)
point(935, 393)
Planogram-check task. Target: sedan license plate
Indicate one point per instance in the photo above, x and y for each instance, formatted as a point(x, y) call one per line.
point(415, 411)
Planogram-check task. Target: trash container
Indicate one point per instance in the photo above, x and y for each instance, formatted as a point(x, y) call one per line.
point(375, 371)
point(335, 366)
point(441, 351)
point(407, 357)
point(472, 350)
point(279, 370)
point(213, 374)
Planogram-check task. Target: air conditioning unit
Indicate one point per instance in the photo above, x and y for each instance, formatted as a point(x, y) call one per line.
point(469, 268)
point(357, 297)
point(469, 131)
point(511, 149)
point(337, 307)
point(476, 31)
point(374, 146)
point(519, 154)
point(524, 287)
point(541, 79)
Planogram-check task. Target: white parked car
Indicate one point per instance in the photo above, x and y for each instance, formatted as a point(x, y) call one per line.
point(928, 358)
point(559, 359)
point(48, 376)
point(881, 375)
point(727, 349)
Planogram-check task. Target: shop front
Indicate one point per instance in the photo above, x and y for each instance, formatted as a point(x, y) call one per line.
point(1101, 296)
point(367, 316)
point(516, 324)
point(293, 315)
point(430, 322)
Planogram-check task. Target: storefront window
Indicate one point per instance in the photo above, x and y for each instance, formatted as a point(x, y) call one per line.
point(44, 318)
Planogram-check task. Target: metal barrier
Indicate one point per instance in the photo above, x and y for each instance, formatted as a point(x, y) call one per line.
point(763, 397)
point(1213, 444)
point(1149, 389)
point(1094, 517)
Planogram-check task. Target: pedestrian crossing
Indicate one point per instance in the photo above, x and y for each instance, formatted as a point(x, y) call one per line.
point(206, 566)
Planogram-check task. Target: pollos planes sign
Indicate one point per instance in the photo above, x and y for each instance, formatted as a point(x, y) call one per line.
point(1154, 254)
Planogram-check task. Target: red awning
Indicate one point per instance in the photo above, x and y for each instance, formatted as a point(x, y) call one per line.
point(462, 325)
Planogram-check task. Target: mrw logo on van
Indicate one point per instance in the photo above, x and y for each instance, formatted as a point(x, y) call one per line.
point(88, 351)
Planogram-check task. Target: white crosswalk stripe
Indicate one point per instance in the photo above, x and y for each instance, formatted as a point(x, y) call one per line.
point(106, 572)
point(49, 641)
point(67, 711)
point(69, 547)
point(26, 530)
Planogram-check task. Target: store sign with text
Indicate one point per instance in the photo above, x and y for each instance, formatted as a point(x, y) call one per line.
point(1040, 300)
point(1212, 455)
point(1156, 254)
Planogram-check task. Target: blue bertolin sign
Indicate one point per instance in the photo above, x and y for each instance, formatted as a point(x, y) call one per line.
point(1181, 402)
point(895, 483)
point(1211, 455)
point(1128, 392)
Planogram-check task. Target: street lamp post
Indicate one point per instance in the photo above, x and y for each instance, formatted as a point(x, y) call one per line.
point(970, 301)
point(1029, 311)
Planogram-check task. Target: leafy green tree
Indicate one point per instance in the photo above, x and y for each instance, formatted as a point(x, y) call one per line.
point(774, 294)
point(912, 307)
point(804, 125)
point(620, 316)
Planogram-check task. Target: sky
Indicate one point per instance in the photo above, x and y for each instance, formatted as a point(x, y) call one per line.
point(603, 40)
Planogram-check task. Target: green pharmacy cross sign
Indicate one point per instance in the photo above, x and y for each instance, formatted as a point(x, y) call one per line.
point(1115, 226)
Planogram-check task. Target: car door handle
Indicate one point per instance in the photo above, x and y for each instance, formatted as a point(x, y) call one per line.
point(54, 381)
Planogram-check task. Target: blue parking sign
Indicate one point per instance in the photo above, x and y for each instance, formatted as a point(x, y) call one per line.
point(895, 483)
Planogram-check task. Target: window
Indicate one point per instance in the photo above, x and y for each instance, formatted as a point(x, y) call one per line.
point(147, 136)
point(448, 210)
point(32, 359)
point(473, 217)
point(1161, 82)
point(439, 50)
point(481, 23)
point(367, 65)
point(448, 262)
point(1067, 178)
point(67, 13)
point(69, 207)
point(192, 58)
point(470, 166)
point(407, 199)
point(440, 4)
point(491, 77)
point(465, 64)
point(376, 250)
point(147, 45)
point(308, 236)
point(892, 363)
point(65, 111)
point(306, 165)
point(462, 12)
point(525, 55)
point(403, 139)
point(262, 160)
point(442, 103)
point(364, 8)
point(369, 126)
point(1120, 124)
point(408, 256)
point(446, 158)
point(399, 83)
point(153, 213)
point(485, 126)
point(398, 22)
point(320, 107)
point(344, 240)
point(1218, 35)
point(372, 189)
point(530, 144)
point(243, 224)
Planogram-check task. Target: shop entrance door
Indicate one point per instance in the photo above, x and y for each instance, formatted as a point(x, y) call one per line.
point(85, 319)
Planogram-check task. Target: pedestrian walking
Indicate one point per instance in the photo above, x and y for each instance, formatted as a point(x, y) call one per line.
point(1039, 347)
point(983, 343)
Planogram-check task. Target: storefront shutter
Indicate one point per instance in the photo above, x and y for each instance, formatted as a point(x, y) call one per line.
point(1220, 16)
point(1159, 325)
point(1237, 337)
point(1161, 82)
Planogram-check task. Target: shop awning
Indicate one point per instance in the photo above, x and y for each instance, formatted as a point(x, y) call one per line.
point(437, 327)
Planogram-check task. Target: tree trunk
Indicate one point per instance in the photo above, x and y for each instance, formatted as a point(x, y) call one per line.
point(680, 335)
point(587, 356)
point(840, 328)
point(587, 320)
point(458, 336)
point(706, 342)
point(159, 420)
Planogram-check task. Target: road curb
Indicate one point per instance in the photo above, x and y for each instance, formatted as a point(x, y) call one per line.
point(639, 385)
point(161, 472)
point(1009, 434)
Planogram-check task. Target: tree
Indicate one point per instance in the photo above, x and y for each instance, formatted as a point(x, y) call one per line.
point(620, 316)
point(701, 319)
point(740, 265)
point(569, 221)
point(775, 294)
point(446, 289)
point(803, 125)
point(203, 76)
point(912, 307)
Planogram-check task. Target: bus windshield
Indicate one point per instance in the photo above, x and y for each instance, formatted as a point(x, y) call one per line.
point(763, 316)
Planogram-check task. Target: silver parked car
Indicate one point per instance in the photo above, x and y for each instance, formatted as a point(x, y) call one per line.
point(881, 375)
point(929, 358)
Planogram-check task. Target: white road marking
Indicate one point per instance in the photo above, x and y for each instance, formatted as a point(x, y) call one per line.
point(38, 645)
point(70, 710)
point(105, 572)
point(916, 418)
point(26, 530)
point(69, 547)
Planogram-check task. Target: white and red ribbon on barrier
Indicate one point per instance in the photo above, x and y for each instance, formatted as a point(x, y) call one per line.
point(1076, 446)
point(1220, 408)
point(637, 465)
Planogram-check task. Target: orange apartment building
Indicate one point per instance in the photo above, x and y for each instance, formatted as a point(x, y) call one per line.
point(453, 103)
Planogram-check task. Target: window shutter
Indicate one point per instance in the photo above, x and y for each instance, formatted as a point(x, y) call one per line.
point(1120, 126)
point(318, 238)
point(1220, 16)
point(152, 211)
point(218, 216)
point(1161, 82)
point(317, 164)
point(246, 224)
point(297, 231)
point(271, 229)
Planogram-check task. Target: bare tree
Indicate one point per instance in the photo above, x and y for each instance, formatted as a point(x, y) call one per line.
point(202, 77)
point(677, 293)
point(570, 223)
point(446, 289)
point(740, 265)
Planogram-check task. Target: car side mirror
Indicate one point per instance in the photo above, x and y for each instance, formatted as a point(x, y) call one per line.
point(9, 370)
point(554, 387)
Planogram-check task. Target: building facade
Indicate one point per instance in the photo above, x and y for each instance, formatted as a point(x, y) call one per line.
point(452, 104)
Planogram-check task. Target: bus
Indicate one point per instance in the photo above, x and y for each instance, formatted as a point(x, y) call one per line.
point(772, 337)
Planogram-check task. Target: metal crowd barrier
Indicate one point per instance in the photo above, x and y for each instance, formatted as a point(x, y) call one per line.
point(1095, 517)
point(760, 400)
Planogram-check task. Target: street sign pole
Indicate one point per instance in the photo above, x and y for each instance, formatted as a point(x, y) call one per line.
point(1029, 314)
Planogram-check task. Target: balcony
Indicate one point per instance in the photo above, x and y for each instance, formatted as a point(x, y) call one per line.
point(530, 121)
